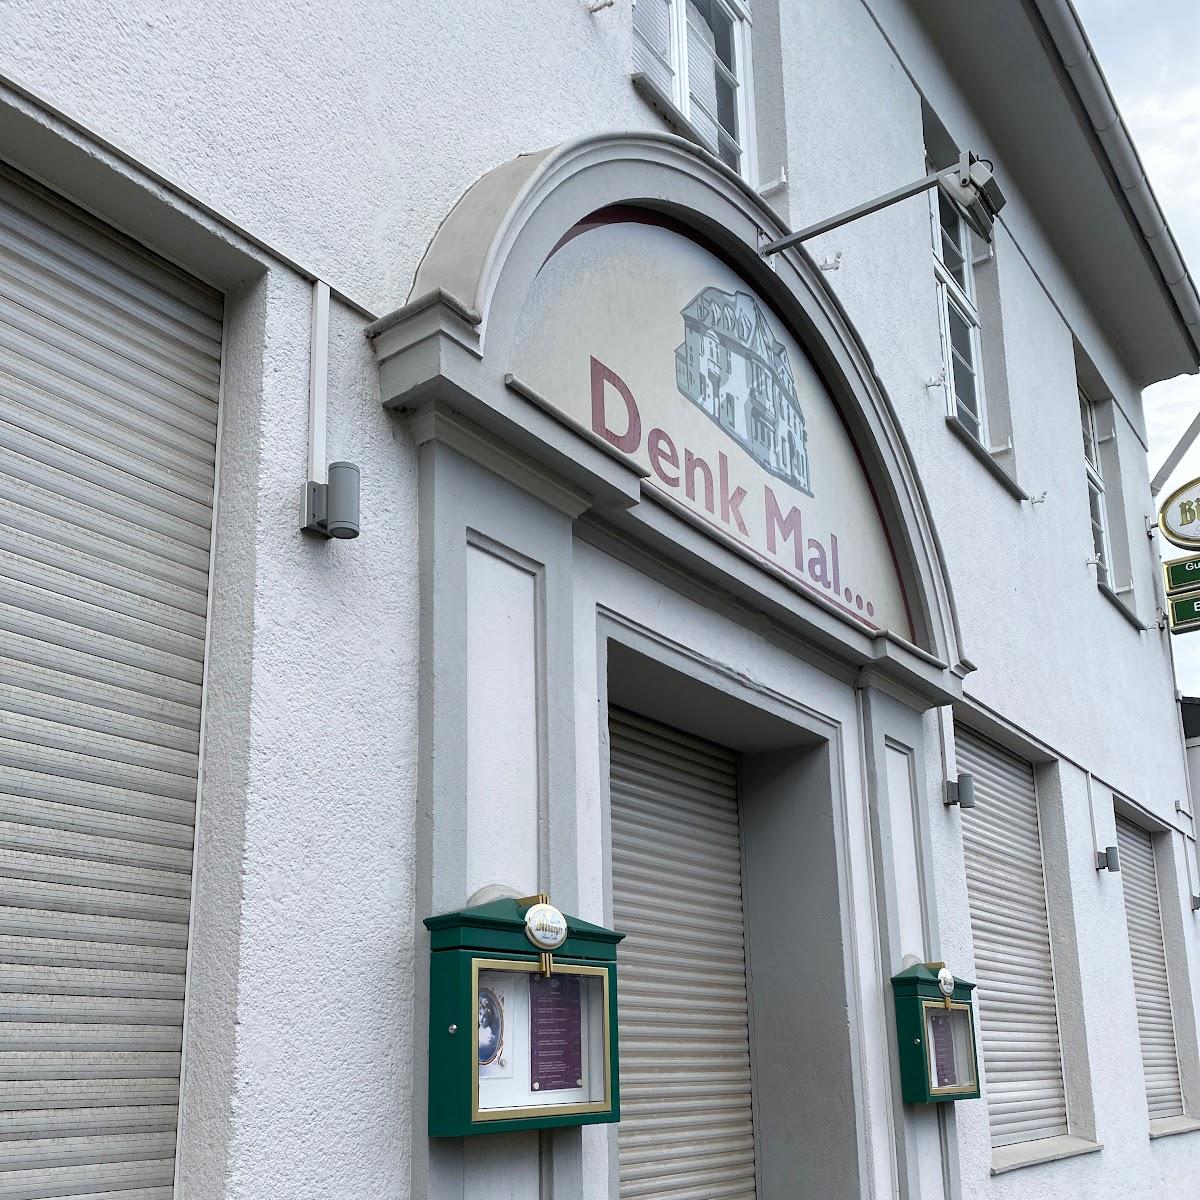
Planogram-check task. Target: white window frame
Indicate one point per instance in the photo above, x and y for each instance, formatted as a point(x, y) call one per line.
point(952, 294)
point(679, 65)
point(1101, 538)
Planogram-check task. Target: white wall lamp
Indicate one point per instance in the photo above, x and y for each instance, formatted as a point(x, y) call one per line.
point(969, 183)
point(330, 506)
point(1108, 859)
point(960, 791)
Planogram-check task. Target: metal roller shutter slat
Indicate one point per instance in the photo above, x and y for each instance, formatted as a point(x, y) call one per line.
point(118, 985)
point(90, 901)
point(42, 283)
point(30, 554)
point(162, 507)
point(61, 526)
point(118, 1010)
point(152, 428)
point(62, 353)
point(93, 1122)
point(84, 927)
point(97, 503)
point(57, 1066)
point(142, 676)
point(22, 812)
point(93, 710)
point(34, 839)
point(80, 740)
point(60, 1094)
point(103, 252)
point(48, 868)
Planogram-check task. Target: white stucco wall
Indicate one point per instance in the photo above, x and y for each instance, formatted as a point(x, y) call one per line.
point(342, 137)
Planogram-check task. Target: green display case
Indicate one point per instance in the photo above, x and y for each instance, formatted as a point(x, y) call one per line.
point(522, 1020)
point(935, 1035)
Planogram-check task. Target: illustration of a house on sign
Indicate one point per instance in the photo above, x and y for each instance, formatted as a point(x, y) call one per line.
point(731, 366)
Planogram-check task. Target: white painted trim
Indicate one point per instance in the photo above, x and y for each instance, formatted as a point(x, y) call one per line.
point(318, 384)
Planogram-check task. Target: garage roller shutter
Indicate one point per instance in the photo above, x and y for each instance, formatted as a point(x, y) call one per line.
point(687, 1130)
point(109, 369)
point(1156, 1028)
point(1018, 1018)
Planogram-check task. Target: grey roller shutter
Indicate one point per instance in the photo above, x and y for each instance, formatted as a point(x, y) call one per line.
point(1156, 1027)
point(109, 369)
point(687, 1129)
point(1018, 1017)
point(652, 43)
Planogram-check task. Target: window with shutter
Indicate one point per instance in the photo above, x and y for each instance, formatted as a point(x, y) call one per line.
point(696, 54)
point(1143, 917)
point(109, 372)
point(1018, 1015)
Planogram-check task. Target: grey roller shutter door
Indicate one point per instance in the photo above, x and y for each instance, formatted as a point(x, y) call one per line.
point(687, 1129)
point(109, 370)
point(1143, 915)
point(1018, 1017)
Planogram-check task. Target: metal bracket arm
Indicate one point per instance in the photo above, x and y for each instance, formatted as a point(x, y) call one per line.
point(852, 214)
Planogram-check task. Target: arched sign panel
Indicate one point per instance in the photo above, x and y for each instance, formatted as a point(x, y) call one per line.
point(660, 347)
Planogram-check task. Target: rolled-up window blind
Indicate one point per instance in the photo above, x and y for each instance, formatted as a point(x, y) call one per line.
point(1143, 917)
point(1018, 1015)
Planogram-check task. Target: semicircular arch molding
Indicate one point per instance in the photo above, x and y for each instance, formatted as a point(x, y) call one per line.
point(505, 238)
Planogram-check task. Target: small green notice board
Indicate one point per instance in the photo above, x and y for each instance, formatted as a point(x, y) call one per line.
point(1182, 579)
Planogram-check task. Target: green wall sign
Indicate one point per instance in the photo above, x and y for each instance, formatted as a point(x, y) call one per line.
point(1184, 612)
point(1182, 574)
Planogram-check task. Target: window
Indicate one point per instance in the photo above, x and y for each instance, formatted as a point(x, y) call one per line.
point(953, 256)
point(1010, 930)
point(1156, 1026)
point(695, 55)
point(1097, 505)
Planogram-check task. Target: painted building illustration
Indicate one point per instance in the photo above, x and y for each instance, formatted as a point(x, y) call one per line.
point(733, 367)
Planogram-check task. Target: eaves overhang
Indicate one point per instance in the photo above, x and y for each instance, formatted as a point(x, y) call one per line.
point(1030, 75)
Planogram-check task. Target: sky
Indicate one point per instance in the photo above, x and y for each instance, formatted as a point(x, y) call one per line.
point(1149, 51)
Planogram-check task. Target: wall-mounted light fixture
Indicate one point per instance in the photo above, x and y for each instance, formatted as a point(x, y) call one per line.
point(969, 183)
point(1195, 903)
point(331, 509)
point(1108, 859)
point(961, 791)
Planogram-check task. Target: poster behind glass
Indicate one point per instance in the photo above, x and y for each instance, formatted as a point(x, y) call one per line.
point(949, 1046)
point(541, 1039)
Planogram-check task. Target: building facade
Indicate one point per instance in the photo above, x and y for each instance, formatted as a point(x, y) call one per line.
point(698, 587)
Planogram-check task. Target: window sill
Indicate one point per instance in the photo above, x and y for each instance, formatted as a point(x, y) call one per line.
point(1122, 606)
point(1170, 1126)
point(666, 108)
point(1005, 480)
point(1044, 1150)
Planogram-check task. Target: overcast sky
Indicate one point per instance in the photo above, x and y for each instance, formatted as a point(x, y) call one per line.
point(1150, 53)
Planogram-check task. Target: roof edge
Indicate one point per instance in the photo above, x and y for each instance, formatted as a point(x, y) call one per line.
point(1082, 67)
